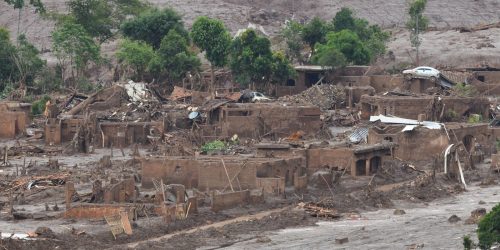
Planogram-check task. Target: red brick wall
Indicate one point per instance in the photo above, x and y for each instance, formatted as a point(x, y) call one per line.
point(229, 200)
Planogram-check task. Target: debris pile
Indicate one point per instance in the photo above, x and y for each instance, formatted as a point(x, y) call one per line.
point(319, 210)
point(324, 96)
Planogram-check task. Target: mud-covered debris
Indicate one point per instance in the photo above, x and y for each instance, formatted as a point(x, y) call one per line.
point(341, 240)
point(454, 218)
point(263, 239)
point(475, 216)
point(324, 96)
point(481, 202)
point(317, 210)
point(45, 232)
point(399, 212)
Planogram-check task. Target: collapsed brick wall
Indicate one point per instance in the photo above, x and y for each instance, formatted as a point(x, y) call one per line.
point(271, 185)
point(96, 211)
point(229, 200)
point(411, 107)
point(210, 172)
point(300, 182)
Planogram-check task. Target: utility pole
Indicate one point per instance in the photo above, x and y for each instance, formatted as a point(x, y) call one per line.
point(418, 43)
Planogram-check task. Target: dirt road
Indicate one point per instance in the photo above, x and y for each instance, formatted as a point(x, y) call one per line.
point(424, 225)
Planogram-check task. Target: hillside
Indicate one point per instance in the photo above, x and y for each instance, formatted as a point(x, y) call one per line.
point(443, 46)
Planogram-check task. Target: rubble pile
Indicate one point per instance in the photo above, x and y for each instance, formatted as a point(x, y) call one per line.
point(324, 96)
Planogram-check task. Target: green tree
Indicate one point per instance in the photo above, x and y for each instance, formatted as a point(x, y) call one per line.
point(488, 231)
point(344, 20)
point(292, 33)
point(281, 69)
point(94, 16)
point(251, 58)
point(27, 61)
point(211, 36)
point(100, 17)
point(349, 44)
point(136, 54)
point(174, 58)
point(371, 35)
point(417, 23)
point(19, 4)
point(74, 48)
point(314, 32)
point(151, 26)
point(7, 66)
point(327, 55)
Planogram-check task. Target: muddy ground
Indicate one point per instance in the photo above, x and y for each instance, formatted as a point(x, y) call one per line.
point(355, 199)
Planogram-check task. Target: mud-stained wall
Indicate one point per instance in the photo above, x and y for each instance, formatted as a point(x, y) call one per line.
point(331, 158)
point(15, 117)
point(210, 172)
point(271, 185)
point(254, 120)
point(96, 211)
point(229, 200)
point(411, 107)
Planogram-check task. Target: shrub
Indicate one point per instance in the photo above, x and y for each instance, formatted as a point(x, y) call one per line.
point(488, 230)
point(38, 107)
point(216, 145)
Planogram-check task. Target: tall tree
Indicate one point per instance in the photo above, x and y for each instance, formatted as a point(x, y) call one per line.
point(314, 32)
point(174, 58)
point(136, 54)
point(251, 58)
point(349, 44)
point(7, 66)
point(211, 36)
point(417, 23)
point(20, 4)
point(75, 48)
point(27, 61)
point(343, 20)
point(94, 16)
point(292, 33)
point(151, 26)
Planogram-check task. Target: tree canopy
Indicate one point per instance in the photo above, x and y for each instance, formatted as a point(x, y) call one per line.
point(19, 4)
point(151, 26)
point(211, 36)
point(174, 58)
point(136, 54)
point(314, 32)
point(73, 46)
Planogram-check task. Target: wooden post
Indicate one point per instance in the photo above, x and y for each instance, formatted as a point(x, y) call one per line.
point(229, 179)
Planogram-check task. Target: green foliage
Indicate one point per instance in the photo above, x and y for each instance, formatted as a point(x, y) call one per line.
point(211, 36)
point(19, 4)
point(315, 32)
point(292, 34)
point(349, 44)
point(136, 54)
point(173, 58)
point(38, 107)
point(73, 46)
point(251, 58)
point(488, 230)
point(344, 20)
point(372, 36)
point(216, 145)
point(18, 64)
point(474, 118)
point(327, 55)
point(467, 242)
point(415, 12)
point(94, 16)
point(497, 144)
point(27, 61)
point(464, 90)
point(49, 80)
point(7, 65)
point(282, 70)
point(151, 26)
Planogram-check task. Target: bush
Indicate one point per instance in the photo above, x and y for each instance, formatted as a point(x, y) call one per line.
point(216, 145)
point(38, 107)
point(468, 243)
point(488, 230)
point(475, 118)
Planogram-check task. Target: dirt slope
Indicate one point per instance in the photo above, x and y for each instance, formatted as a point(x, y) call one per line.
point(444, 15)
